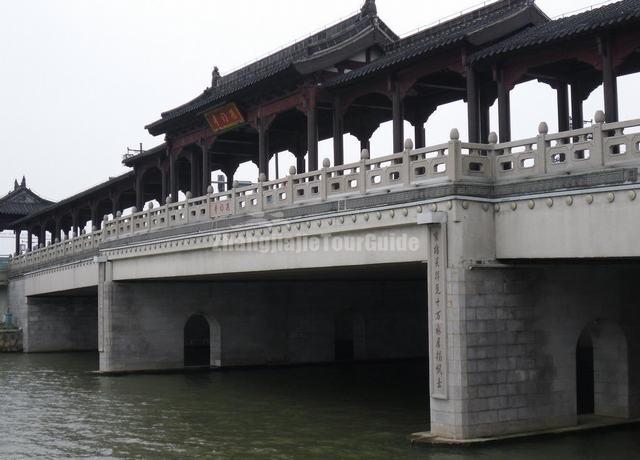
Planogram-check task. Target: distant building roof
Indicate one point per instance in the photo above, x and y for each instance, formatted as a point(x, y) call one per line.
point(293, 58)
point(613, 14)
point(467, 27)
point(18, 203)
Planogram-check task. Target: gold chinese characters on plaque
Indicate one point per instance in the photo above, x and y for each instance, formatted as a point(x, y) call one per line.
point(224, 118)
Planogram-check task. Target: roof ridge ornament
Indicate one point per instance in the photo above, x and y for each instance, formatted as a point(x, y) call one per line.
point(215, 77)
point(369, 8)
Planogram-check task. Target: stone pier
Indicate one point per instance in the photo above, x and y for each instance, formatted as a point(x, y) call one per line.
point(513, 339)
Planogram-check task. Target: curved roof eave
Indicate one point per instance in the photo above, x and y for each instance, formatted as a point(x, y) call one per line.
point(77, 196)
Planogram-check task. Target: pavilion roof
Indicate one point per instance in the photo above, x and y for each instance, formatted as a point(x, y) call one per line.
point(84, 195)
point(461, 29)
point(20, 202)
point(613, 14)
point(286, 59)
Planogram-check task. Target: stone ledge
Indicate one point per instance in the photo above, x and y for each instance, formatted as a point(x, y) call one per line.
point(586, 423)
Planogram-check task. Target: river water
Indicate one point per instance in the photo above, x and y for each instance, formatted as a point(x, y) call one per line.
point(51, 407)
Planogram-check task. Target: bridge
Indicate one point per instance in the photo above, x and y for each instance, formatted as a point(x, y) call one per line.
point(508, 264)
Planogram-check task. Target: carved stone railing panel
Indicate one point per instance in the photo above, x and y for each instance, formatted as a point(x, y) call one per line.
point(594, 148)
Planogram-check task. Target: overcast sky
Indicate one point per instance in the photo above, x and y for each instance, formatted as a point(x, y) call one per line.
point(79, 79)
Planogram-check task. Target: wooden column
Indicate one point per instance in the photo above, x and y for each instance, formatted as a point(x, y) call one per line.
point(487, 97)
point(29, 239)
point(42, 238)
point(473, 111)
point(562, 93)
point(420, 135)
point(228, 172)
point(18, 233)
point(164, 187)
point(398, 119)
point(609, 82)
point(485, 122)
point(173, 177)
point(139, 190)
point(57, 230)
point(338, 132)
point(577, 113)
point(95, 220)
point(263, 147)
point(194, 180)
point(365, 144)
point(504, 110)
point(312, 135)
point(300, 163)
point(74, 222)
point(206, 168)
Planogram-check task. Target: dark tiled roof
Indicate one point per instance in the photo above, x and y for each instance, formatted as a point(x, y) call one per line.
point(626, 11)
point(21, 201)
point(79, 196)
point(279, 62)
point(438, 37)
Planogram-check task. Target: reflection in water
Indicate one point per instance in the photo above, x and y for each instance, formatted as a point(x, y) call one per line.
point(51, 407)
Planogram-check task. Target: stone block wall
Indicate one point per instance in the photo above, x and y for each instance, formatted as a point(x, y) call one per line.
point(513, 334)
point(61, 324)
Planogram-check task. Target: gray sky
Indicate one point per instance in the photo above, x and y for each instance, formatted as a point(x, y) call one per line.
point(79, 79)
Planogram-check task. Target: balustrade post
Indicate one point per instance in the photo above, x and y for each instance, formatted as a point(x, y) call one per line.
point(292, 174)
point(406, 162)
point(134, 211)
point(598, 152)
point(454, 160)
point(187, 213)
point(364, 157)
point(542, 167)
point(262, 178)
point(492, 139)
point(325, 176)
point(168, 202)
point(149, 217)
point(234, 196)
point(209, 193)
point(118, 220)
point(105, 224)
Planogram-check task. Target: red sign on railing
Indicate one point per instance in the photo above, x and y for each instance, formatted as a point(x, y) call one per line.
point(221, 208)
point(224, 117)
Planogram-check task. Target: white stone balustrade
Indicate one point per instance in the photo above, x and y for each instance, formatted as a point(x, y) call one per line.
point(594, 148)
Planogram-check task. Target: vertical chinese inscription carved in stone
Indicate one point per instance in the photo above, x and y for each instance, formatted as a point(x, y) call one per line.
point(438, 311)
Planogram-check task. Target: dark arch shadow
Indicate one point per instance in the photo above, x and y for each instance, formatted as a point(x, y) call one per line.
point(197, 342)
